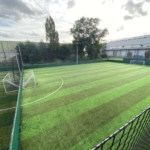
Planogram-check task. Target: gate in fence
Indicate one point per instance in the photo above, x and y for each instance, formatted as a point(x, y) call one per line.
point(132, 136)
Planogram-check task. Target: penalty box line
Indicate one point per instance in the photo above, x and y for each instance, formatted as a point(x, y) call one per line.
point(62, 83)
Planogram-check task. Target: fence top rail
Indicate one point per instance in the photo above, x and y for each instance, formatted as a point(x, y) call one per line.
point(120, 129)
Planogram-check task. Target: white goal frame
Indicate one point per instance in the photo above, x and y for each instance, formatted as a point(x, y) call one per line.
point(14, 81)
point(27, 78)
point(9, 80)
point(132, 62)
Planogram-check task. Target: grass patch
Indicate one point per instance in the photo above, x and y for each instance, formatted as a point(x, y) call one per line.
point(92, 100)
point(6, 117)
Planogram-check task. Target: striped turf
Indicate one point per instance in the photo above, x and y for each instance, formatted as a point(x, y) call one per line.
point(93, 99)
point(6, 117)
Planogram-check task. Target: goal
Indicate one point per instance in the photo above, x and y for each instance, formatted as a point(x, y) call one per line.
point(137, 62)
point(29, 80)
point(11, 82)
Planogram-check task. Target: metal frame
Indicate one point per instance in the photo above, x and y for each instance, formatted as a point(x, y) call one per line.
point(30, 76)
point(128, 136)
point(7, 79)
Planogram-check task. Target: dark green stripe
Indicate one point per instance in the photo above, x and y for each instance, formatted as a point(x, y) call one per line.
point(6, 118)
point(88, 79)
point(71, 98)
point(69, 133)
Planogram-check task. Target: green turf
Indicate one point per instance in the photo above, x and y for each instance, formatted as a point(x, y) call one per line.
point(6, 117)
point(94, 101)
point(115, 58)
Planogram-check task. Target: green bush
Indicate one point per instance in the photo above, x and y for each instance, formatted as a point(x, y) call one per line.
point(103, 55)
point(147, 54)
point(129, 54)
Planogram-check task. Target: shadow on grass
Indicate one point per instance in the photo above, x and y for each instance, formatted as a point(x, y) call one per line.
point(6, 119)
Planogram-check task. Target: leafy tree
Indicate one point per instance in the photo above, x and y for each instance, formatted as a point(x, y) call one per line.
point(42, 51)
point(51, 33)
point(64, 52)
point(29, 51)
point(147, 54)
point(86, 33)
point(129, 54)
point(53, 37)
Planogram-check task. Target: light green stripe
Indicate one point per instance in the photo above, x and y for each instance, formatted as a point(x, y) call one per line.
point(112, 126)
point(68, 91)
point(32, 124)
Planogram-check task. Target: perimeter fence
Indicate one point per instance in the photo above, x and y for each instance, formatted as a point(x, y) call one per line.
point(14, 143)
point(127, 137)
point(132, 136)
point(11, 66)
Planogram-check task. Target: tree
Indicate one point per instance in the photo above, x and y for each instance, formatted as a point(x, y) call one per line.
point(29, 51)
point(51, 33)
point(64, 52)
point(86, 33)
point(147, 53)
point(52, 36)
point(129, 54)
point(42, 49)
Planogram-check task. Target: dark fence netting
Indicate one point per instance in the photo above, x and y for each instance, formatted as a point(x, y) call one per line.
point(11, 72)
point(132, 136)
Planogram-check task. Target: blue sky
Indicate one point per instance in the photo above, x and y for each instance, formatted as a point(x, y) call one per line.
point(22, 20)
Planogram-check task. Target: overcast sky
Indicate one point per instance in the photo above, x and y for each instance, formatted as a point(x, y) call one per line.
point(22, 20)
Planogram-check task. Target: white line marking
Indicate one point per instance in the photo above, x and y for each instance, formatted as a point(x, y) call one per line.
point(46, 95)
point(7, 109)
point(62, 82)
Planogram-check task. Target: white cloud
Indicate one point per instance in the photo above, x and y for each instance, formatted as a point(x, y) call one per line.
point(5, 34)
point(31, 33)
point(70, 3)
point(19, 10)
point(25, 19)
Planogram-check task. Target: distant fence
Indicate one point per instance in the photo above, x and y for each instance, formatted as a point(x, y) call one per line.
point(14, 143)
point(29, 66)
point(127, 60)
point(128, 136)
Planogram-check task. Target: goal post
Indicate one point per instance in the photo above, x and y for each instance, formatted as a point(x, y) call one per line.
point(137, 62)
point(11, 83)
point(29, 80)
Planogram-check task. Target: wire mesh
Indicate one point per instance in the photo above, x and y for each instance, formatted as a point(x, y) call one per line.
point(129, 136)
point(12, 67)
point(137, 62)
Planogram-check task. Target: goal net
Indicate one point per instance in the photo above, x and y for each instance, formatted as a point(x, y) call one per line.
point(11, 82)
point(137, 62)
point(29, 80)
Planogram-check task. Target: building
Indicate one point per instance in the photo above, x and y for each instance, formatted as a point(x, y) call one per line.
point(135, 45)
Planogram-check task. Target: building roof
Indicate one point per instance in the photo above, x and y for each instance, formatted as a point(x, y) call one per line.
point(131, 38)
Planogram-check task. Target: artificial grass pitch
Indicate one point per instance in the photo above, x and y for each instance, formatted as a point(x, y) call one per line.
point(7, 116)
point(80, 105)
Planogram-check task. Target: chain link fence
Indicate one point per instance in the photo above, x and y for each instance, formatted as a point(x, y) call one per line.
point(132, 136)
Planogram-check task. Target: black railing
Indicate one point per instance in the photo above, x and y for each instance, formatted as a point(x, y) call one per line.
point(133, 135)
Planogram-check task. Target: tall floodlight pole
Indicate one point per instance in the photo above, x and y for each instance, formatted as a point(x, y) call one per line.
point(77, 53)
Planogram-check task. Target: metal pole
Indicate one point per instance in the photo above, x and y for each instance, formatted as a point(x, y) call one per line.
point(20, 55)
point(77, 53)
point(3, 50)
point(18, 65)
